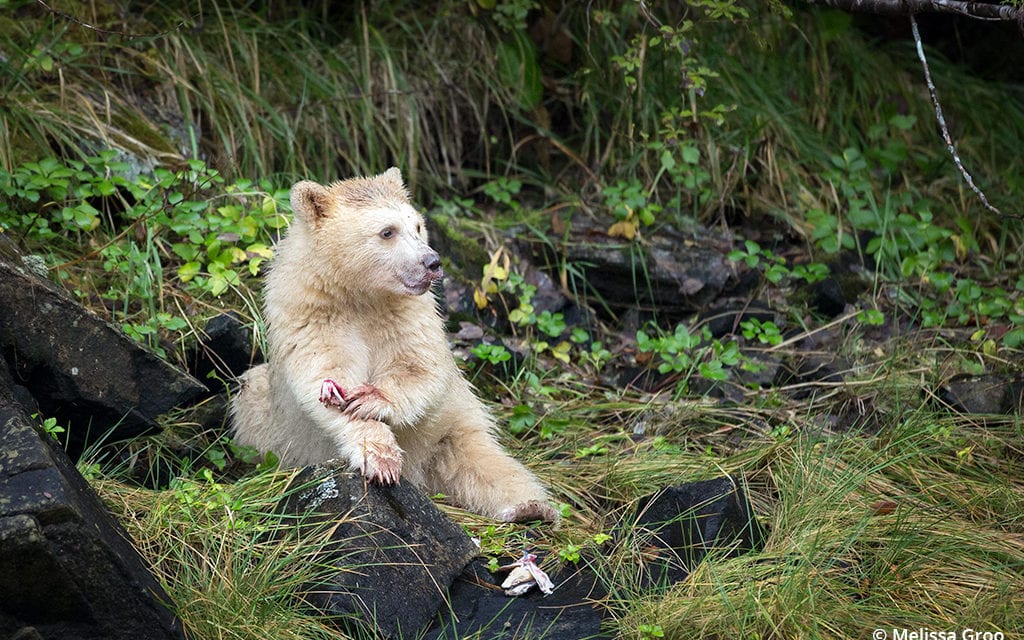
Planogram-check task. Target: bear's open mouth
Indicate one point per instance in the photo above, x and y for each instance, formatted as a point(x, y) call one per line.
point(419, 286)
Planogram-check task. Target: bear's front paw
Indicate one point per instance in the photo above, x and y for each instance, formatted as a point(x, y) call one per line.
point(382, 464)
point(529, 511)
point(367, 402)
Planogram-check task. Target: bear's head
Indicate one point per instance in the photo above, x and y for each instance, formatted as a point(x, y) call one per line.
point(366, 235)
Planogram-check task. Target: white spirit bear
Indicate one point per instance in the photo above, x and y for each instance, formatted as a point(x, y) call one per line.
point(359, 366)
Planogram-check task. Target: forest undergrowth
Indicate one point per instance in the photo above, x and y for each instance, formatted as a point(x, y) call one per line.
point(146, 151)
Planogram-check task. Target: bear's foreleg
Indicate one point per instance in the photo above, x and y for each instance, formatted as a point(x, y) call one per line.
point(370, 447)
point(324, 394)
point(367, 402)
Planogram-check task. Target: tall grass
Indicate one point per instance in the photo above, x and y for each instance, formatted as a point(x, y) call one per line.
point(297, 93)
point(865, 534)
point(232, 566)
point(257, 97)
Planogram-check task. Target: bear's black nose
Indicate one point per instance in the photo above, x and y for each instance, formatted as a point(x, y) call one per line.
point(432, 261)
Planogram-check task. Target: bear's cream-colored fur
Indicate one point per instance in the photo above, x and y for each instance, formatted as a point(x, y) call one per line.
point(359, 366)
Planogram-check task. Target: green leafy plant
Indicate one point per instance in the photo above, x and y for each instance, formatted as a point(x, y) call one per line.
point(50, 427)
point(871, 317)
point(766, 332)
point(542, 331)
point(688, 353)
point(504, 191)
point(569, 553)
point(188, 227)
point(522, 419)
point(491, 353)
point(628, 202)
point(675, 350)
point(650, 631)
point(774, 267)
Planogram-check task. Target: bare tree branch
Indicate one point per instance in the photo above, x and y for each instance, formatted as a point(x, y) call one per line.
point(123, 34)
point(942, 120)
point(979, 10)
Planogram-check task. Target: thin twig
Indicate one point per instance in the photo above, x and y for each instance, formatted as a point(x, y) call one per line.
point(942, 121)
point(109, 32)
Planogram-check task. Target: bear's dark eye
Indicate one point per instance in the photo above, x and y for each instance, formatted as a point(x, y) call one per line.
point(419, 229)
point(387, 233)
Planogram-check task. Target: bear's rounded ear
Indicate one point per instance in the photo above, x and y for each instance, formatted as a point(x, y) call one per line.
point(311, 201)
point(394, 174)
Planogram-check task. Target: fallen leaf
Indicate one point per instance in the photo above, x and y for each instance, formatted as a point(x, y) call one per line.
point(884, 507)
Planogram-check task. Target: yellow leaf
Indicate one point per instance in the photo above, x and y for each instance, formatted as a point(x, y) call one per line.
point(625, 229)
point(561, 351)
point(480, 298)
point(269, 206)
point(259, 250)
point(959, 246)
point(498, 273)
point(237, 255)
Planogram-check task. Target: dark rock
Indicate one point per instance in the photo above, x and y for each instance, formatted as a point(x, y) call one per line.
point(396, 553)
point(988, 393)
point(480, 609)
point(827, 298)
point(858, 415)
point(680, 525)
point(549, 295)
point(760, 371)
point(79, 369)
point(809, 372)
point(819, 368)
point(456, 301)
point(672, 270)
point(462, 251)
point(27, 633)
point(639, 378)
point(67, 569)
point(225, 351)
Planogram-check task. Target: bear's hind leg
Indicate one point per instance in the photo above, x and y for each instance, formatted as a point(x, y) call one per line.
point(472, 469)
point(250, 408)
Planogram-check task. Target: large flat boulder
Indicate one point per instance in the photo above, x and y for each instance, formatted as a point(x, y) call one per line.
point(395, 552)
point(89, 375)
point(67, 569)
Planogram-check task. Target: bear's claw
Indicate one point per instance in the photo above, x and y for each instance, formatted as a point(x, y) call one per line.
point(529, 511)
point(384, 467)
point(332, 395)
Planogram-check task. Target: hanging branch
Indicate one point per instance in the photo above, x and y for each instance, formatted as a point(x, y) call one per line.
point(942, 120)
point(979, 10)
point(107, 32)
